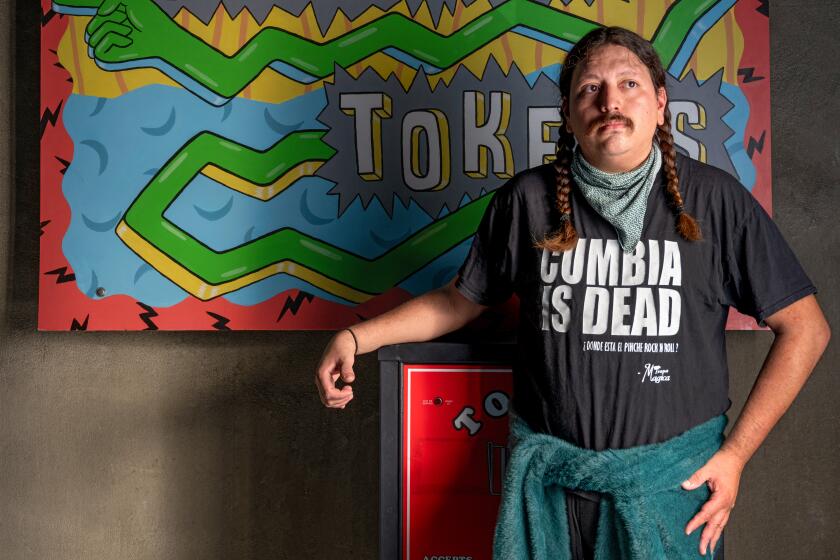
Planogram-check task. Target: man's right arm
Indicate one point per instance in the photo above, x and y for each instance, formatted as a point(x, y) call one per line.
point(423, 318)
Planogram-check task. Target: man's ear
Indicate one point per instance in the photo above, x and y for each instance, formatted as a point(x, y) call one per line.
point(661, 105)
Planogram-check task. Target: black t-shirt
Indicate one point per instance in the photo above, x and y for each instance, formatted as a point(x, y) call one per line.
point(617, 350)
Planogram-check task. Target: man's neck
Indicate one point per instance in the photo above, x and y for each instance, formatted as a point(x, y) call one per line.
point(616, 165)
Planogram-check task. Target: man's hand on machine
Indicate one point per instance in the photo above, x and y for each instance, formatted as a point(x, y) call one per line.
point(337, 361)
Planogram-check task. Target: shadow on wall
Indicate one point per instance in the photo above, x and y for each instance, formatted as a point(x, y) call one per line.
point(259, 469)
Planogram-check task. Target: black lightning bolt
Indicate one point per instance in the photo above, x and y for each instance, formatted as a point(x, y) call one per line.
point(147, 316)
point(50, 117)
point(294, 304)
point(61, 276)
point(749, 75)
point(46, 17)
point(60, 65)
point(754, 145)
point(64, 165)
point(221, 321)
point(75, 326)
point(764, 8)
point(43, 225)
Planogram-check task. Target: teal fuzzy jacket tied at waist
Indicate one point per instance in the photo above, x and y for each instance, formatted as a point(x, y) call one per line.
point(643, 511)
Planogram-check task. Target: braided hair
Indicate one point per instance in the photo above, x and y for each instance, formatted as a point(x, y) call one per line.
point(565, 237)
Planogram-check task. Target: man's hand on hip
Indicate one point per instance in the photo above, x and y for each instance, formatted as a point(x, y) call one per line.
point(722, 472)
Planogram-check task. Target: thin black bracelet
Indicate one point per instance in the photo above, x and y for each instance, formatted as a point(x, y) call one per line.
point(355, 340)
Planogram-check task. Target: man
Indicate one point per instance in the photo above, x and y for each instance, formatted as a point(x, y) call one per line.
point(626, 257)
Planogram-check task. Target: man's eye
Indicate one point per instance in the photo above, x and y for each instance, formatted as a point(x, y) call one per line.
point(590, 88)
point(632, 83)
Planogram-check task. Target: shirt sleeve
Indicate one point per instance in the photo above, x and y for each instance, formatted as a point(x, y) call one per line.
point(488, 274)
point(761, 273)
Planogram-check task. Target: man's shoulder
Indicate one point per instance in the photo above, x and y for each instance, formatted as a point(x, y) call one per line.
point(695, 170)
point(709, 179)
point(711, 192)
point(529, 184)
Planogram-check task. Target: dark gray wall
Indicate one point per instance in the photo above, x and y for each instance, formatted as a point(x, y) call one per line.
point(214, 445)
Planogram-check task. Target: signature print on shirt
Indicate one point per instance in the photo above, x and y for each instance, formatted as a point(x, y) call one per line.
point(654, 373)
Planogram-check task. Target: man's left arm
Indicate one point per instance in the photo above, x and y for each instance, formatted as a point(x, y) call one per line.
point(801, 335)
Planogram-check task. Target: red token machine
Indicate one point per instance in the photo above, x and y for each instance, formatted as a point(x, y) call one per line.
point(443, 448)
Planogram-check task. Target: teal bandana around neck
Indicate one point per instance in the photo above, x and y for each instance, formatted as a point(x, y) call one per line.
point(620, 198)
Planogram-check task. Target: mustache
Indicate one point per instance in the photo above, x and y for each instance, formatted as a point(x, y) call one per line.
point(610, 118)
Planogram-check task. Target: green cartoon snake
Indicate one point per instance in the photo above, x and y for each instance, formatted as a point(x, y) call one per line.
point(125, 34)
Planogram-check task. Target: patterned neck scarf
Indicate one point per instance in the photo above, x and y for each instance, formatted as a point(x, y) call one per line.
point(620, 198)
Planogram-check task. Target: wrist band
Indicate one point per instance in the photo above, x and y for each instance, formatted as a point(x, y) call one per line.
point(355, 341)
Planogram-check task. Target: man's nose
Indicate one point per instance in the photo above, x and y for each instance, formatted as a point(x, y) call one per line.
point(609, 99)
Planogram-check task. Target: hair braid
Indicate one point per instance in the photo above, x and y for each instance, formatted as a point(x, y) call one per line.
point(687, 226)
point(566, 236)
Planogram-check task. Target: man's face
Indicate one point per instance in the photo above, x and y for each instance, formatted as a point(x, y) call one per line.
point(614, 108)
